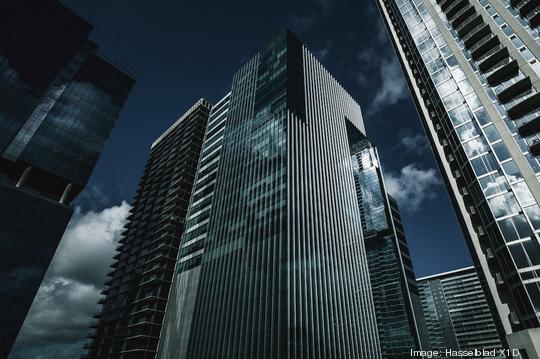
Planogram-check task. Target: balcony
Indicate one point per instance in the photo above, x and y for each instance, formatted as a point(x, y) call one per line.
point(534, 144)
point(526, 6)
point(501, 71)
point(523, 104)
point(462, 15)
point(530, 128)
point(455, 8)
point(490, 58)
point(444, 4)
point(484, 45)
point(514, 89)
point(468, 24)
point(534, 17)
point(476, 34)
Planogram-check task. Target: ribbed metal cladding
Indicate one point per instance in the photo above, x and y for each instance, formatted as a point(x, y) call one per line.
point(284, 272)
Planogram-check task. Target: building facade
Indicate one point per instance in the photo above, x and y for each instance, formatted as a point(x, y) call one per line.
point(59, 101)
point(136, 294)
point(273, 263)
point(395, 293)
point(457, 312)
point(472, 67)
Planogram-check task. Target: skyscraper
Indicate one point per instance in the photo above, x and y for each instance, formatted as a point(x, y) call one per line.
point(129, 323)
point(397, 303)
point(473, 70)
point(273, 263)
point(59, 100)
point(457, 312)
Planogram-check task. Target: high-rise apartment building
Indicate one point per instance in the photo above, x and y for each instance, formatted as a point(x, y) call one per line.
point(457, 313)
point(473, 70)
point(59, 100)
point(129, 323)
point(395, 294)
point(272, 263)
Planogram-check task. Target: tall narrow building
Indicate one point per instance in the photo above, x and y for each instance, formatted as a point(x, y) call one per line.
point(59, 101)
point(272, 263)
point(457, 313)
point(397, 303)
point(129, 323)
point(473, 70)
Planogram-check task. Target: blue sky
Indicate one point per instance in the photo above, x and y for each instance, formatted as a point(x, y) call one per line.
point(181, 51)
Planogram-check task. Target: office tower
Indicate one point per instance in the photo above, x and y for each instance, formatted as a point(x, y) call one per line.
point(59, 101)
point(457, 312)
point(129, 323)
point(274, 265)
point(395, 294)
point(472, 67)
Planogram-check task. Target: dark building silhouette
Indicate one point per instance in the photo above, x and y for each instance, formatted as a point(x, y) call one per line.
point(131, 317)
point(398, 309)
point(273, 263)
point(59, 100)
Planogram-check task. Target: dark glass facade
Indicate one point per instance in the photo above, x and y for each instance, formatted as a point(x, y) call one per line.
point(58, 102)
point(395, 294)
point(279, 270)
point(457, 312)
point(129, 323)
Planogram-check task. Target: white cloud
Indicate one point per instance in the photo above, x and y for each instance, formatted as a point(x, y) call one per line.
point(392, 85)
point(413, 187)
point(413, 143)
point(61, 313)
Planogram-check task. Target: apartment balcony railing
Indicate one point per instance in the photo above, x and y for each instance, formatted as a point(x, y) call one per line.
point(534, 17)
point(468, 24)
point(484, 45)
point(508, 83)
point(526, 6)
point(476, 34)
point(529, 127)
point(455, 8)
point(524, 104)
point(490, 58)
point(501, 70)
point(514, 89)
point(534, 144)
point(461, 15)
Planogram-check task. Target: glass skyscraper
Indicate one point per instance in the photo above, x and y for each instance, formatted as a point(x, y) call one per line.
point(272, 263)
point(457, 313)
point(59, 100)
point(136, 294)
point(395, 294)
point(473, 70)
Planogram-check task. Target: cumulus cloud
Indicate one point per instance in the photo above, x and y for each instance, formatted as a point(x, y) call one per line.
point(413, 187)
point(415, 143)
point(392, 86)
point(61, 313)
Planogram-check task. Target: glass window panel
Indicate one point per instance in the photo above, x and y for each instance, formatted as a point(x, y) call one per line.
point(475, 147)
point(533, 213)
point(465, 86)
point(534, 293)
point(501, 151)
point(453, 100)
point(508, 230)
point(533, 251)
point(518, 254)
point(523, 193)
point(467, 131)
point(447, 88)
point(493, 184)
point(491, 133)
point(482, 117)
point(512, 171)
point(504, 205)
point(460, 115)
point(474, 101)
point(522, 226)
